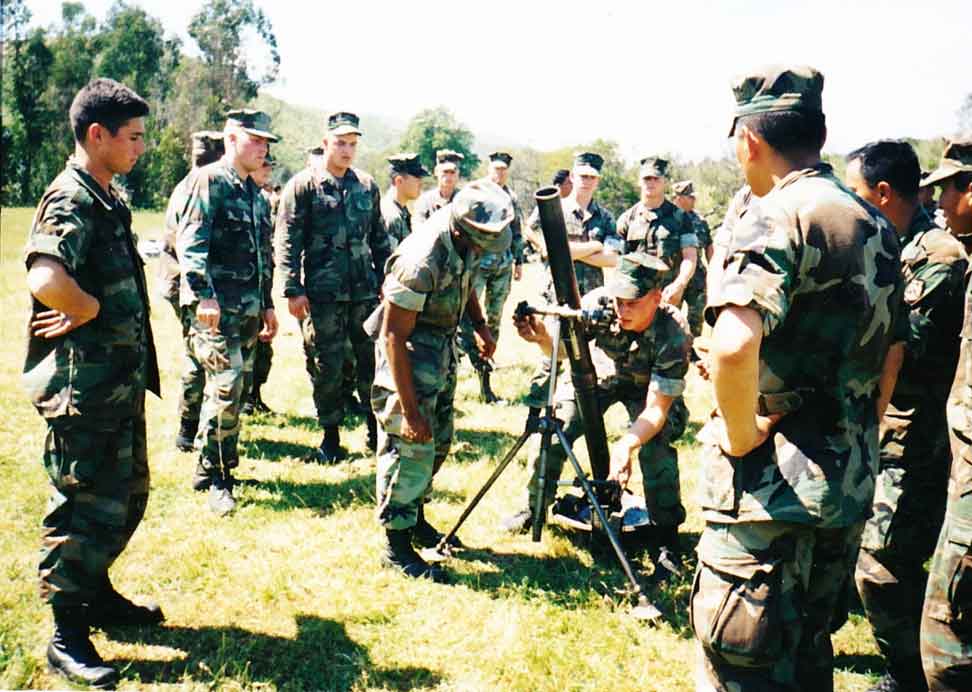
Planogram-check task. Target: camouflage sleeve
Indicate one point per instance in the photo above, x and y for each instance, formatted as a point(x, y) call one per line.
point(378, 239)
point(703, 233)
point(195, 232)
point(606, 228)
point(930, 292)
point(760, 268)
point(60, 230)
point(289, 236)
point(517, 230)
point(686, 233)
point(533, 221)
point(624, 221)
point(672, 358)
point(265, 229)
point(408, 283)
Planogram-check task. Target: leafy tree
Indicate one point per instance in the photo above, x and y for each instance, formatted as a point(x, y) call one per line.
point(437, 128)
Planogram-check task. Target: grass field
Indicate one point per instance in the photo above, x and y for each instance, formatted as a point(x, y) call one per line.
point(287, 593)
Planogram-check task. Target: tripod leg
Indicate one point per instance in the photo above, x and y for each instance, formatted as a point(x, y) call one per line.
point(443, 544)
point(539, 504)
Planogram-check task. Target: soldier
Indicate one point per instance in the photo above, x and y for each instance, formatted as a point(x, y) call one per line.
point(911, 485)
point(263, 349)
point(926, 197)
point(405, 173)
point(954, 177)
point(207, 147)
point(804, 312)
point(695, 293)
point(86, 281)
point(561, 180)
point(492, 282)
point(226, 282)
point(426, 291)
point(331, 252)
point(592, 239)
point(447, 181)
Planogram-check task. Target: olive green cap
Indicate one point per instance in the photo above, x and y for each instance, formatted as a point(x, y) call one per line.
point(483, 211)
point(588, 163)
point(407, 163)
point(653, 167)
point(253, 122)
point(778, 88)
point(638, 274)
point(343, 123)
point(957, 158)
point(501, 157)
point(684, 187)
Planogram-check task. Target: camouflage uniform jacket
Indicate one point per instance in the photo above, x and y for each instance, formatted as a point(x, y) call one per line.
point(934, 265)
point(514, 253)
point(656, 359)
point(169, 274)
point(702, 232)
point(737, 208)
point(593, 223)
point(331, 244)
point(662, 232)
point(427, 275)
point(222, 239)
point(102, 368)
point(430, 202)
point(396, 219)
point(823, 271)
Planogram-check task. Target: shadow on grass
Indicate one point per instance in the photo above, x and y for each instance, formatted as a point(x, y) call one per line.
point(471, 445)
point(262, 449)
point(324, 498)
point(322, 656)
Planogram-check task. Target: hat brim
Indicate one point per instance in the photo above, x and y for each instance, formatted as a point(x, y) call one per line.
point(447, 165)
point(346, 130)
point(493, 241)
point(269, 136)
point(499, 163)
point(585, 169)
point(946, 170)
point(621, 287)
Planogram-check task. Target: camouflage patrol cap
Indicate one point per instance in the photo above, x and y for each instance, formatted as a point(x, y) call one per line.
point(638, 275)
point(588, 163)
point(316, 150)
point(654, 167)
point(407, 163)
point(208, 139)
point(343, 123)
point(253, 122)
point(957, 158)
point(778, 88)
point(684, 187)
point(447, 159)
point(483, 211)
point(501, 157)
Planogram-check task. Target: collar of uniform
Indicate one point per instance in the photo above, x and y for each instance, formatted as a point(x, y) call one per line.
point(342, 182)
point(451, 246)
point(87, 181)
point(820, 169)
point(920, 223)
point(233, 174)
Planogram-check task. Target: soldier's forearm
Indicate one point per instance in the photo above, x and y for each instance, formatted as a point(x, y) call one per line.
point(735, 344)
point(50, 283)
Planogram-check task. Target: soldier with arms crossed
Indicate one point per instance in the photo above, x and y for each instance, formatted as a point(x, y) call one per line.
point(447, 180)
point(90, 360)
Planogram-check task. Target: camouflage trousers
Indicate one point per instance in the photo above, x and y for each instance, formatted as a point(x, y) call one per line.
point(325, 332)
point(492, 288)
point(946, 620)
point(762, 601)
point(99, 475)
point(909, 504)
point(257, 377)
point(405, 469)
point(695, 299)
point(193, 377)
point(539, 384)
point(657, 458)
point(227, 357)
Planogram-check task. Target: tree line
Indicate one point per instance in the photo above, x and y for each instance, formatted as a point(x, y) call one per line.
point(235, 54)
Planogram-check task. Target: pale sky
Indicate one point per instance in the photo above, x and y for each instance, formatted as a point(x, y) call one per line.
point(652, 77)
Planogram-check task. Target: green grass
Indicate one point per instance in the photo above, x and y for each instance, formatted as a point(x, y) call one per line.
point(288, 593)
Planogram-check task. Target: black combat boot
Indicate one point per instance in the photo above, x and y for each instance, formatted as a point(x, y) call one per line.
point(486, 393)
point(221, 500)
point(187, 434)
point(259, 405)
point(427, 536)
point(400, 554)
point(246, 408)
point(72, 654)
point(372, 424)
point(111, 608)
point(202, 479)
point(330, 451)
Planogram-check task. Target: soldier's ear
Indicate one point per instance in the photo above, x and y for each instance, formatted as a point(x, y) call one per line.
point(884, 192)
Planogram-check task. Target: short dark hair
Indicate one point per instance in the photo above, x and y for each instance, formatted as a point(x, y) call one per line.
point(962, 180)
point(106, 102)
point(892, 160)
point(790, 133)
point(560, 176)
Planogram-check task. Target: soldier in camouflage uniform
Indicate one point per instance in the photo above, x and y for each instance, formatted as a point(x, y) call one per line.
point(207, 146)
point(492, 282)
point(406, 175)
point(426, 291)
point(447, 181)
point(331, 252)
point(226, 282)
point(803, 315)
point(263, 349)
point(911, 485)
point(695, 293)
point(946, 620)
point(647, 348)
point(593, 241)
point(90, 360)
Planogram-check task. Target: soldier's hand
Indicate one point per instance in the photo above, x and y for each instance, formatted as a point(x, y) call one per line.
point(299, 306)
point(51, 324)
point(485, 343)
point(701, 347)
point(207, 312)
point(416, 429)
point(672, 294)
point(621, 457)
point(270, 325)
point(531, 329)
